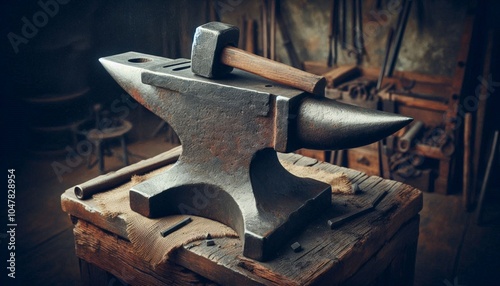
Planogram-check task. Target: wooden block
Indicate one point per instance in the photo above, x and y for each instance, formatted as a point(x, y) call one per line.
point(340, 74)
point(318, 68)
point(330, 257)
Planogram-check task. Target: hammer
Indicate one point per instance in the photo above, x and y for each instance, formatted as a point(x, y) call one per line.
point(214, 55)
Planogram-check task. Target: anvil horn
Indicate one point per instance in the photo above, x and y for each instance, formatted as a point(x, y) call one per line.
point(324, 124)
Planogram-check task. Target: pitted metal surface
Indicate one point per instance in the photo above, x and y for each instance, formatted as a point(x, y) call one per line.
point(230, 130)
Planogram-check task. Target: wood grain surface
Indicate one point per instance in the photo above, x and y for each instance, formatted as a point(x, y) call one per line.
point(369, 244)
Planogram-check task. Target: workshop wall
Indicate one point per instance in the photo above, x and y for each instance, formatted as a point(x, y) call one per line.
point(430, 44)
point(166, 28)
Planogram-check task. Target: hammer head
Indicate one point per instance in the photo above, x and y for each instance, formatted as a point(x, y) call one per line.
point(209, 41)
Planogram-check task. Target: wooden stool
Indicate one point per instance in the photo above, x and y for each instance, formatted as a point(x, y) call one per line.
point(97, 137)
point(378, 248)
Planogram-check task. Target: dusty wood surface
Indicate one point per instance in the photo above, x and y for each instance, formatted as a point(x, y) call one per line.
point(329, 257)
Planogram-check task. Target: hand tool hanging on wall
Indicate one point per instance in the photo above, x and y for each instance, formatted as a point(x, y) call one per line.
point(343, 16)
point(386, 57)
point(353, 27)
point(285, 35)
point(385, 146)
point(211, 11)
point(265, 29)
point(359, 32)
point(401, 27)
point(272, 31)
point(333, 34)
point(231, 129)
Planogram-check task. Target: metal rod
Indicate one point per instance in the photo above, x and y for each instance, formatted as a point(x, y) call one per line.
point(343, 36)
point(353, 23)
point(399, 38)
point(386, 57)
point(359, 32)
point(333, 34)
point(338, 221)
point(176, 226)
point(108, 181)
point(287, 42)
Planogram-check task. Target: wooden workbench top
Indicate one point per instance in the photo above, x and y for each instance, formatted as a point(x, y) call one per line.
point(355, 253)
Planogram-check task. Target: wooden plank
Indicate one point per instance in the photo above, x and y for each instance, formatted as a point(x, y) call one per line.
point(430, 152)
point(340, 74)
point(116, 256)
point(373, 72)
point(414, 102)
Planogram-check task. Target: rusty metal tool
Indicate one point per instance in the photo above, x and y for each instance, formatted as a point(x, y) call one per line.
point(353, 27)
point(214, 55)
point(386, 58)
point(340, 220)
point(287, 40)
point(230, 130)
point(178, 225)
point(343, 17)
point(333, 35)
point(402, 21)
point(359, 32)
point(265, 29)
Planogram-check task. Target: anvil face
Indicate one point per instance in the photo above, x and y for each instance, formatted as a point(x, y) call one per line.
point(230, 130)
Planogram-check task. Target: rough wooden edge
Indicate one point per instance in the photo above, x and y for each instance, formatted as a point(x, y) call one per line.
point(207, 265)
point(115, 255)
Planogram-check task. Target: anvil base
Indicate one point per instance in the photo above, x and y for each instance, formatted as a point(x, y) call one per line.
point(265, 207)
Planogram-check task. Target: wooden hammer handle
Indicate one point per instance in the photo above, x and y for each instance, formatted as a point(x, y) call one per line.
point(273, 70)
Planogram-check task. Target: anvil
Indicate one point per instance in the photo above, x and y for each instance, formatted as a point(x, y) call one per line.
point(230, 130)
